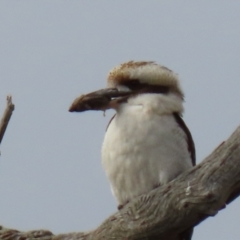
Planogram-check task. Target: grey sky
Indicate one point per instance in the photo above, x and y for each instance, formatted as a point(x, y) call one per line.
point(53, 51)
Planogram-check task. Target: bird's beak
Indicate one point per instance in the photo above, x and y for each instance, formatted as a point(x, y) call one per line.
point(99, 100)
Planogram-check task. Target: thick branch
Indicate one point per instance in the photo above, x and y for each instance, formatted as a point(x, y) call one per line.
point(6, 117)
point(168, 210)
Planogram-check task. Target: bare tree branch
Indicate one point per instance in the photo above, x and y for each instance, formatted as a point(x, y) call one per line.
point(170, 209)
point(6, 117)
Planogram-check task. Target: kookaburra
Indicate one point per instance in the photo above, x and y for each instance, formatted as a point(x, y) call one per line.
point(147, 143)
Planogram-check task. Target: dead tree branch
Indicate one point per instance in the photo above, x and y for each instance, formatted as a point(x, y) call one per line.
point(6, 117)
point(168, 210)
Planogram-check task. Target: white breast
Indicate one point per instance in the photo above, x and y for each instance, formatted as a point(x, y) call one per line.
point(143, 147)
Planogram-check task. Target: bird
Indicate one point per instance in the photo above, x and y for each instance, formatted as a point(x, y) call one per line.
point(147, 143)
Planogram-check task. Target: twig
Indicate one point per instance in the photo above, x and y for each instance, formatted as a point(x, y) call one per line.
point(6, 117)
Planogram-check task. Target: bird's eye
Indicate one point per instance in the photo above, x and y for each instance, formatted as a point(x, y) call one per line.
point(133, 84)
point(136, 86)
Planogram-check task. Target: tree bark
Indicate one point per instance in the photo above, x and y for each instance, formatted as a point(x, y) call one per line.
point(170, 209)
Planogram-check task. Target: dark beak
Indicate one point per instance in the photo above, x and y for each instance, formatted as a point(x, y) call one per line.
point(99, 100)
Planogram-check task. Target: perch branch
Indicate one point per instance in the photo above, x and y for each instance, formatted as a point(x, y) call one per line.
point(170, 209)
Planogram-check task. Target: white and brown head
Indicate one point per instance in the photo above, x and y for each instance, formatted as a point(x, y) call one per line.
point(144, 77)
point(127, 80)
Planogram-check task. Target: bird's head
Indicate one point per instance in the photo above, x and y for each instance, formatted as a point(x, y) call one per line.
point(130, 79)
point(144, 77)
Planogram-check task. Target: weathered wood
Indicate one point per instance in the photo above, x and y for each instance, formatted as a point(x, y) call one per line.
point(170, 209)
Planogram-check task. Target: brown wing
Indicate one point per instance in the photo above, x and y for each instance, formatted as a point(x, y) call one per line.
point(187, 235)
point(191, 145)
point(110, 121)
